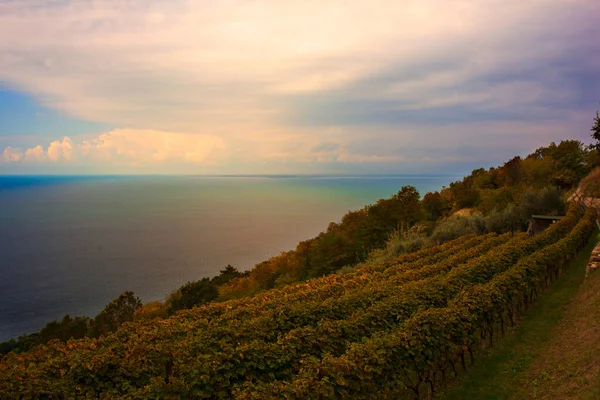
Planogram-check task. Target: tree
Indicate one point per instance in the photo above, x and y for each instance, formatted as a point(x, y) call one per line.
point(434, 206)
point(511, 219)
point(66, 329)
point(227, 274)
point(590, 186)
point(464, 194)
point(409, 206)
point(596, 132)
point(192, 294)
point(544, 201)
point(510, 172)
point(117, 312)
point(572, 155)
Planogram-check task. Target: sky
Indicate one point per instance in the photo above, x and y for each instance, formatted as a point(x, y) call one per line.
point(291, 87)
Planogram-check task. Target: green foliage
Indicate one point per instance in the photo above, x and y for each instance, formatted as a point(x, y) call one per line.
point(570, 162)
point(67, 328)
point(596, 131)
point(546, 201)
point(23, 343)
point(497, 199)
point(435, 206)
point(511, 173)
point(116, 313)
point(515, 217)
point(412, 358)
point(399, 242)
point(192, 294)
point(349, 242)
point(151, 310)
point(459, 225)
point(388, 326)
point(342, 244)
point(590, 187)
point(465, 195)
point(226, 274)
point(511, 219)
point(349, 335)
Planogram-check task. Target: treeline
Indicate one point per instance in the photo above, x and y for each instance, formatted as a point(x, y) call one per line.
point(419, 355)
point(191, 294)
point(114, 314)
point(498, 199)
point(391, 330)
point(124, 308)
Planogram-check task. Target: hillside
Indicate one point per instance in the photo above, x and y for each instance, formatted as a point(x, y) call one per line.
point(397, 329)
point(568, 366)
point(397, 299)
point(500, 199)
point(552, 353)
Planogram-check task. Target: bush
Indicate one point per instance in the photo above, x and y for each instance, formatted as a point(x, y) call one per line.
point(546, 201)
point(227, 274)
point(151, 310)
point(192, 294)
point(590, 186)
point(511, 219)
point(459, 225)
point(400, 242)
point(116, 313)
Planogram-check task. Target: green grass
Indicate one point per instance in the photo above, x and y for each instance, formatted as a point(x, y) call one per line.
point(498, 374)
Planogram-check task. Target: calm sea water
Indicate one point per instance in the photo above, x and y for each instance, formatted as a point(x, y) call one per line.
point(69, 245)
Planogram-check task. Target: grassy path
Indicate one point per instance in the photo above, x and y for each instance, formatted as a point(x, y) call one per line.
point(553, 353)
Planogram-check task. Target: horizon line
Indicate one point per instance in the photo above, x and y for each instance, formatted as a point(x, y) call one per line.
point(24, 175)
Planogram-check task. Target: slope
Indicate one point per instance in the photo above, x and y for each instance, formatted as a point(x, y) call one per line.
point(553, 353)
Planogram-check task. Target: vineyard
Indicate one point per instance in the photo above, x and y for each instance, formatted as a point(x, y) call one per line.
point(398, 329)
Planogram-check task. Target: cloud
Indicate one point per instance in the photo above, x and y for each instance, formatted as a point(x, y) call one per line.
point(59, 150)
point(199, 66)
point(36, 153)
point(154, 147)
point(455, 148)
point(126, 147)
point(12, 155)
point(287, 86)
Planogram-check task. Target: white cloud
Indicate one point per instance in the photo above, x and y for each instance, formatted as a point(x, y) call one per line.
point(240, 84)
point(12, 155)
point(36, 153)
point(127, 147)
point(59, 150)
point(202, 66)
point(155, 149)
point(147, 147)
point(330, 150)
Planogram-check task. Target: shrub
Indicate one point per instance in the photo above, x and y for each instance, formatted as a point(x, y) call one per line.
point(192, 294)
point(459, 225)
point(400, 242)
point(511, 219)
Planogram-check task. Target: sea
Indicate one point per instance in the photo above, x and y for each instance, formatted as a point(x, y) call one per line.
point(71, 244)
